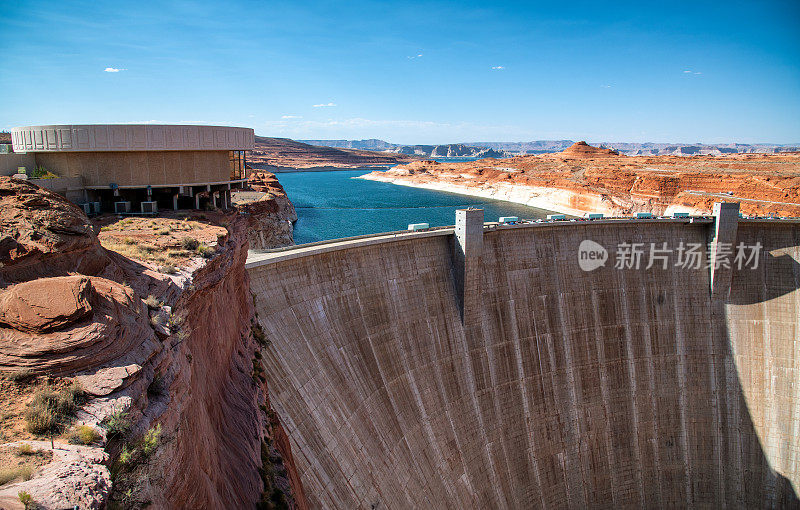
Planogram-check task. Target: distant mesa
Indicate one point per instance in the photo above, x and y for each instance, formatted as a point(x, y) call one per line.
point(582, 150)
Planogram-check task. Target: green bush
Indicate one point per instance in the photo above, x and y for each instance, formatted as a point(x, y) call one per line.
point(150, 441)
point(26, 499)
point(117, 424)
point(41, 172)
point(258, 334)
point(205, 251)
point(50, 411)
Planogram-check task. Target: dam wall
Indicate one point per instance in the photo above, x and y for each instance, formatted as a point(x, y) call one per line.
point(565, 388)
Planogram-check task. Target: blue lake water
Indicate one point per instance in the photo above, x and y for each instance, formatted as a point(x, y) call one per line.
point(332, 204)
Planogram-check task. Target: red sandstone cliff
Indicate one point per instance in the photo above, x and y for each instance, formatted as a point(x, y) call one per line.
point(584, 179)
point(288, 155)
point(188, 367)
point(270, 213)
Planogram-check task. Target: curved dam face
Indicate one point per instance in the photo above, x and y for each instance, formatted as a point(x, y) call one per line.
point(530, 383)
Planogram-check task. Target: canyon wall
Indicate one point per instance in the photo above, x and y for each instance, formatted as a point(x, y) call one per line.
point(584, 179)
point(564, 389)
point(178, 354)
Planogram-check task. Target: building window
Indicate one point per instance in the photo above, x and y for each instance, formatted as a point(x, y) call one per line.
point(237, 164)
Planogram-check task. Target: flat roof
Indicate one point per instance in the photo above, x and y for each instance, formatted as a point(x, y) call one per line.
point(130, 137)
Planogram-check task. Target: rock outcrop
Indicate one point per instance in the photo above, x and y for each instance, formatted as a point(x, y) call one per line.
point(270, 213)
point(284, 155)
point(186, 364)
point(584, 179)
point(43, 234)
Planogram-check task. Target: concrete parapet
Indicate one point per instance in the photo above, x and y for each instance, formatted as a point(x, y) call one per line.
point(726, 220)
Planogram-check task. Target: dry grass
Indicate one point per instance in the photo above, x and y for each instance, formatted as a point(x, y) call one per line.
point(83, 434)
point(16, 473)
point(52, 409)
point(153, 302)
point(168, 242)
point(17, 464)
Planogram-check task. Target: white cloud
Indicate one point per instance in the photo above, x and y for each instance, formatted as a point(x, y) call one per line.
point(113, 70)
point(324, 105)
point(498, 68)
point(291, 116)
point(688, 71)
point(606, 86)
point(412, 57)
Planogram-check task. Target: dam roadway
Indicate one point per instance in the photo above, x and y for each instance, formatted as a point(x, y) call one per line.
point(443, 370)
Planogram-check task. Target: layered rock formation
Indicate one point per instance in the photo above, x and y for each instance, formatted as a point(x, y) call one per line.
point(510, 149)
point(271, 214)
point(70, 309)
point(584, 179)
point(284, 155)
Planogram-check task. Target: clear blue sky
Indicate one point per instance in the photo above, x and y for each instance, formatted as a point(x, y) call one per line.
point(411, 72)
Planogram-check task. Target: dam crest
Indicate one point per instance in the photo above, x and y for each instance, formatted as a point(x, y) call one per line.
point(480, 366)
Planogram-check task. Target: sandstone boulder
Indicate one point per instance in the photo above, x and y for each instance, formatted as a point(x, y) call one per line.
point(43, 234)
point(46, 304)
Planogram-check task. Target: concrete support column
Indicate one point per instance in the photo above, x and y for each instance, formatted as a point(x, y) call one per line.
point(175, 202)
point(226, 199)
point(197, 201)
point(722, 248)
point(467, 263)
point(214, 198)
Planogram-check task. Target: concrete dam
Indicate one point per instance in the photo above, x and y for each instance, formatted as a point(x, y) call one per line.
point(481, 367)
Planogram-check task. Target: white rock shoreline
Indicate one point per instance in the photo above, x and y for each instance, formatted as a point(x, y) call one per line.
point(551, 199)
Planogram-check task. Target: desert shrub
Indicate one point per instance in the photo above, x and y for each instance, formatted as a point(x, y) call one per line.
point(26, 449)
point(258, 334)
point(176, 319)
point(157, 320)
point(153, 302)
point(169, 269)
point(51, 410)
point(131, 455)
point(151, 440)
point(41, 172)
point(205, 251)
point(258, 373)
point(21, 376)
point(26, 499)
point(83, 434)
point(129, 240)
point(190, 243)
point(15, 473)
point(117, 424)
